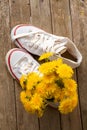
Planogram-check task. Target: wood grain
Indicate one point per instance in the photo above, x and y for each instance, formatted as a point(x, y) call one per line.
point(20, 14)
point(61, 17)
point(7, 97)
point(80, 35)
point(62, 25)
point(40, 14)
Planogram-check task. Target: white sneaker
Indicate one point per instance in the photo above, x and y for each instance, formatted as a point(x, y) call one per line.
point(37, 41)
point(20, 62)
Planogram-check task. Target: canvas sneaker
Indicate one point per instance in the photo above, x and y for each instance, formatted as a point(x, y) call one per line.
point(38, 41)
point(20, 62)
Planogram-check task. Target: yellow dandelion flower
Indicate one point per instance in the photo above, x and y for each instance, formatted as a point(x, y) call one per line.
point(74, 100)
point(34, 76)
point(23, 81)
point(47, 68)
point(57, 62)
point(29, 94)
point(22, 97)
point(49, 78)
point(68, 104)
point(33, 79)
point(65, 71)
point(33, 104)
point(40, 89)
point(28, 107)
point(68, 92)
point(25, 101)
point(45, 56)
point(70, 84)
point(57, 94)
point(50, 67)
point(50, 89)
point(36, 101)
point(25, 96)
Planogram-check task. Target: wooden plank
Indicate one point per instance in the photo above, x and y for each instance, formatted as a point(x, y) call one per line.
point(50, 120)
point(19, 11)
point(61, 19)
point(7, 99)
point(71, 121)
point(20, 14)
point(40, 14)
point(41, 17)
point(80, 35)
point(62, 25)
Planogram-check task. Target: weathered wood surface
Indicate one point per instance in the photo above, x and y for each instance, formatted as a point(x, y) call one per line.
point(61, 17)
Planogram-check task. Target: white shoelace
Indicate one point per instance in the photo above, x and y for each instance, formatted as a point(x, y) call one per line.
point(47, 43)
point(44, 41)
point(25, 66)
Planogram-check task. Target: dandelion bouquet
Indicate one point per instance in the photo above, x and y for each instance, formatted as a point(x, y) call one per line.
point(53, 82)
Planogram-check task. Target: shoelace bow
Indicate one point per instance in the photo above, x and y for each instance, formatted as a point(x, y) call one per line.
point(46, 42)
